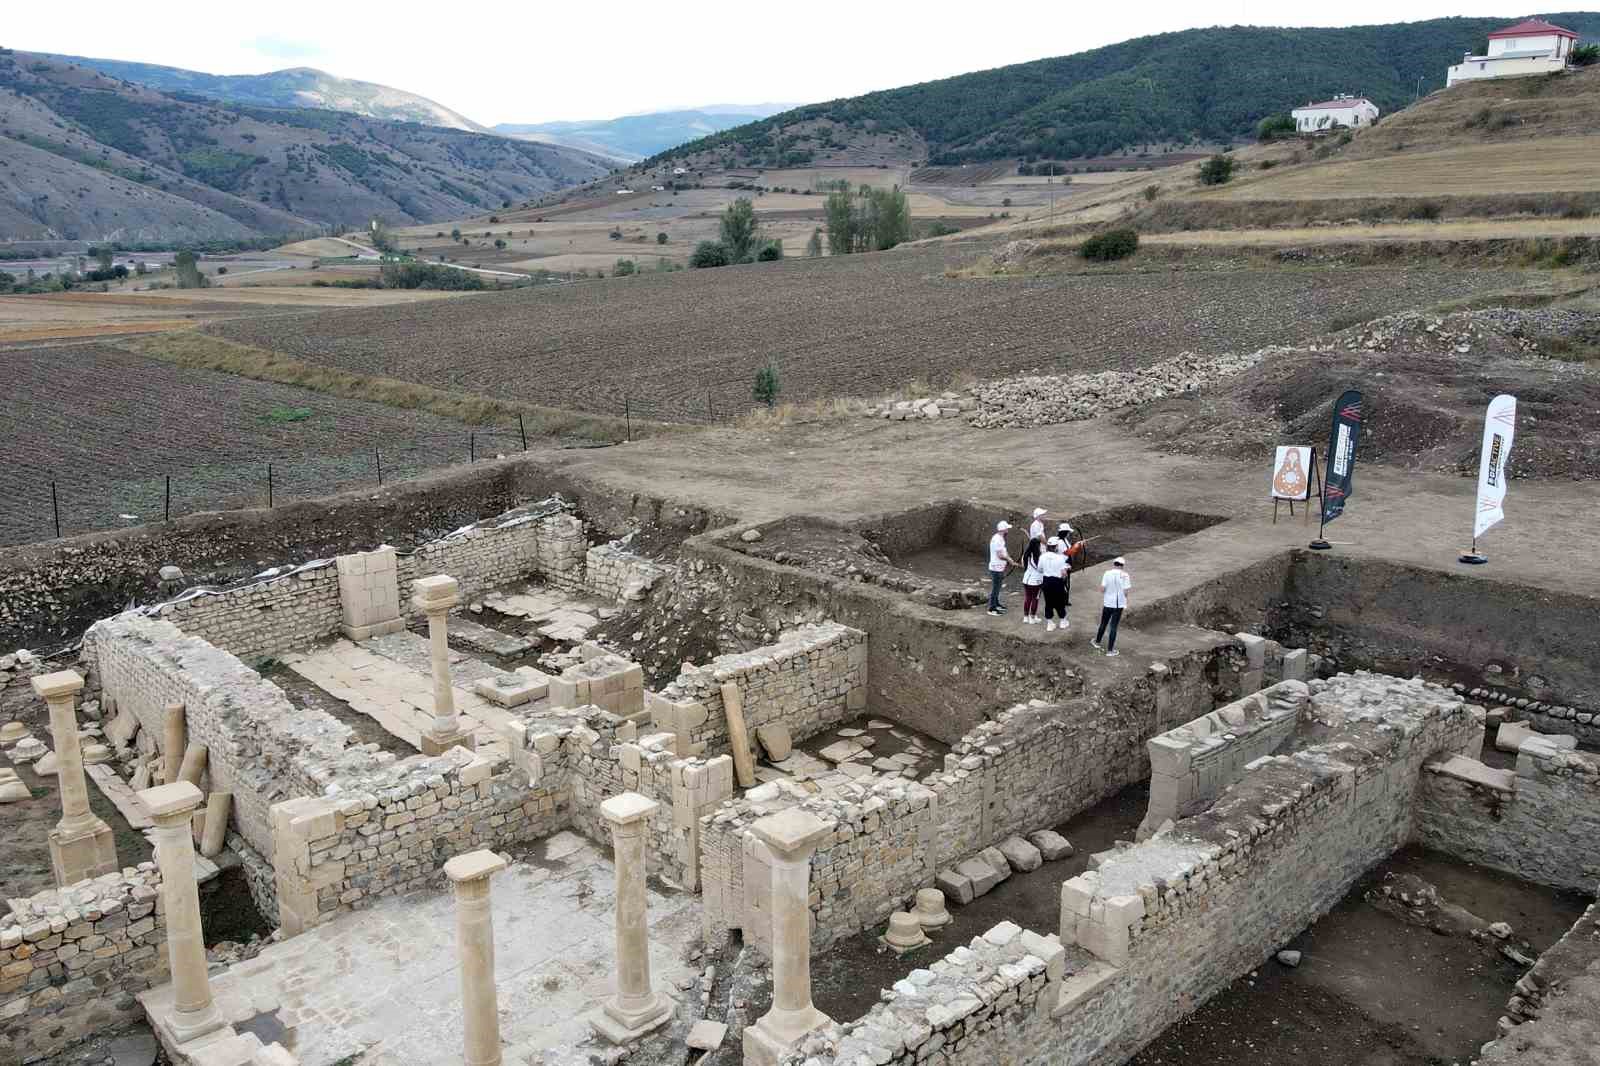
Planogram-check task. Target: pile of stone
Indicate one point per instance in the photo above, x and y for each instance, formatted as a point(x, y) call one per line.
point(1504, 330)
point(1045, 400)
point(974, 877)
point(945, 405)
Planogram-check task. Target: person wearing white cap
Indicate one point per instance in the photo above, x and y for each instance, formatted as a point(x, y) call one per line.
point(1053, 565)
point(1115, 584)
point(1071, 547)
point(1036, 530)
point(999, 561)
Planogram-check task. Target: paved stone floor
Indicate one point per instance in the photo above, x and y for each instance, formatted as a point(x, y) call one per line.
point(383, 983)
point(390, 680)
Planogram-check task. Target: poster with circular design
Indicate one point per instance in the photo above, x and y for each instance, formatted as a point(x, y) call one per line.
point(1291, 477)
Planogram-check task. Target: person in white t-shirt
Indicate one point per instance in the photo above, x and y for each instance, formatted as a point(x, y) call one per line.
point(1115, 584)
point(1032, 578)
point(999, 562)
point(1053, 565)
point(1036, 529)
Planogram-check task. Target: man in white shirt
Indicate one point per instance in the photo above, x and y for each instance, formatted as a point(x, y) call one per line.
point(1036, 530)
point(1114, 584)
point(999, 561)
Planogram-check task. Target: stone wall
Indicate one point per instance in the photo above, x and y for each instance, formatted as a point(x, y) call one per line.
point(812, 679)
point(1192, 764)
point(259, 744)
point(1540, 823)
point(71, 961)
point(1163, 925)
point(612, 572)
point(1551, 1016)
point(259, 618)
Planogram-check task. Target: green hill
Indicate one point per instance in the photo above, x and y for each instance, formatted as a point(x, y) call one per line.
point(1195, 86)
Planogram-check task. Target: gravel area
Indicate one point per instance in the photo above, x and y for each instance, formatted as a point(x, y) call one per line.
point(686, 346)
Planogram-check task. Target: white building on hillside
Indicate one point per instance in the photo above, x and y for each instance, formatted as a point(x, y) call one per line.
point(1531, 47)
point(1343, 111)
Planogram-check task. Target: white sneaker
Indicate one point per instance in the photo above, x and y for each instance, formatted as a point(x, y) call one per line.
point(1112, 654)
point(1095, 644)
point(1049, 627)
point(1065, 622)
point(994, 613)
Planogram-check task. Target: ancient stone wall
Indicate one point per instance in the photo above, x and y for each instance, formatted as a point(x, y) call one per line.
point(612, 572)
point(71, 961)
point(1552, 1013)
point(812, 679)
point(1541, 822)
point(542, 538)
point(255, 620)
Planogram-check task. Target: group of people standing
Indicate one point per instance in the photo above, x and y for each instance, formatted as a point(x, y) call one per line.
point(1047, 564)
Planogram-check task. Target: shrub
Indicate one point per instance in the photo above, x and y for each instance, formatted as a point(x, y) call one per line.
point(1273, 127)
point(616, 233)
point(1426, 211)
point(623, 268)
point(1151, 191)
point(770, 252)
point(1267, 164)
point(661, 238)
point(767, 386)
point(709, 254)
point(1218, 170)
point(1586, 55)
point(1110, 245)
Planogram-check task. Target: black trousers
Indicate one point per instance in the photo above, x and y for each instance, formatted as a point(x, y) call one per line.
point(1109, 616)
point(1055, 598)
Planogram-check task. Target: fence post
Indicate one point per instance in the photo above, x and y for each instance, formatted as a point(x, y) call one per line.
point(472, 447)
point(627, 416)
point(524, 430)
point(711, 408)
point(378, 455)
point(269, 486)
point(55, 506)
point(168, 511)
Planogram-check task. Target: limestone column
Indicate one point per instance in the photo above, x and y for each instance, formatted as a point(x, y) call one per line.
point(435, 596)
point(81, 845)
point(193, 1014)
point(791, 836)
point(480, 1007)
point(636, 1008)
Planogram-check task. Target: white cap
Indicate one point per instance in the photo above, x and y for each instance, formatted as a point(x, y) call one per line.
point(1066, 527)
point(1002, 525)
point(1053, 542)
point(1119, 561)
point(1039, 512)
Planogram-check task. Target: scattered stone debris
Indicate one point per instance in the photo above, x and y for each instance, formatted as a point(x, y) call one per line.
point(1504, 330)
point(1289, 957)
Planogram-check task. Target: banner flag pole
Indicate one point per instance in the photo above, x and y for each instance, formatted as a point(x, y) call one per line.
point(1339, 477)
point(1499, 430)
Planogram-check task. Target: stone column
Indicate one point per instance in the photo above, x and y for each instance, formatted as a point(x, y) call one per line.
point(435, 596)
point(193, 1014)
point(81, 845)
point(636, 1008)
point(480, 1008)
point(791, 836)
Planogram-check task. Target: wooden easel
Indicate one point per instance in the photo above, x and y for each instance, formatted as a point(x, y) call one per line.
point(1312, 475)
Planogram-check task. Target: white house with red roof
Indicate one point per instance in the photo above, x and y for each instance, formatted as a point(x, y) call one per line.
point(1342, 112)
point(1533, 46)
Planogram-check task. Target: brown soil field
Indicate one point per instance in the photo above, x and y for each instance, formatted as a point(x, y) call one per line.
point(686, 346)
point(108, 426)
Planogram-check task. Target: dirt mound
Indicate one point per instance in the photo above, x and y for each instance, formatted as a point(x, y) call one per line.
point(1426, 380)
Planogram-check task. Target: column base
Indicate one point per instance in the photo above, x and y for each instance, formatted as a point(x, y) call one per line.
point(769, 1040)
point(82, 854)
point(376, 629)
point(178, 1030)
point(619, 1028)
point(438, 745)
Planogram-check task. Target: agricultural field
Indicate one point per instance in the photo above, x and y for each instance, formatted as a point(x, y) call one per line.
point(686, 346)
point(108, 426)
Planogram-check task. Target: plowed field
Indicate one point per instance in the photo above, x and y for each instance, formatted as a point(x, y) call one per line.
point(686, 346)
point(108, 427)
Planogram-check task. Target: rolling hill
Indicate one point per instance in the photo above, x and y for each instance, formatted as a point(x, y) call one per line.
point(294, 87)
point(633, 137)
point(1195, 86)
point(85, 155)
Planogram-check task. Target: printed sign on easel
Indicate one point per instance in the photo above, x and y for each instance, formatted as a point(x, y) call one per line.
point(1294, 468)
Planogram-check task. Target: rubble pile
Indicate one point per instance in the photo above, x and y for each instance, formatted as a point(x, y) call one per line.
point(1043, 400)
point(1503, 330)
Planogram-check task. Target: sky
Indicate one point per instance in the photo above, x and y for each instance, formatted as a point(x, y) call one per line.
point(547, 60)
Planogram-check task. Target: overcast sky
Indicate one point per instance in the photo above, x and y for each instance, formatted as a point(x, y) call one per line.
point(546, 59)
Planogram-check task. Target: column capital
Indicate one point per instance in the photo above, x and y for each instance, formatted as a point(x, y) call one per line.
point(435, 594)
point(63, 684)
point(474, 866)
point(169, 803)
point(792, 834)
point(627, 808)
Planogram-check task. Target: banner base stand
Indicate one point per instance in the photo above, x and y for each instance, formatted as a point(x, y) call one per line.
point(1320, 546)
point(1473, 559)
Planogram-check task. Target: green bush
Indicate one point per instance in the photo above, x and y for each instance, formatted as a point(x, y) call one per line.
point(1110, 245)
point(1586, 55)
point(770, 252)
point(661, 238)
point(767, 385)
point(709, 254)
point(1218, 170)
point(1274, 127)
point(623, 268)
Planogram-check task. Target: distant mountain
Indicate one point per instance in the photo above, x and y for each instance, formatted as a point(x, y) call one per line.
point(85, 155)
point(1196, 86)
point(633, 137)
point(295, 87)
